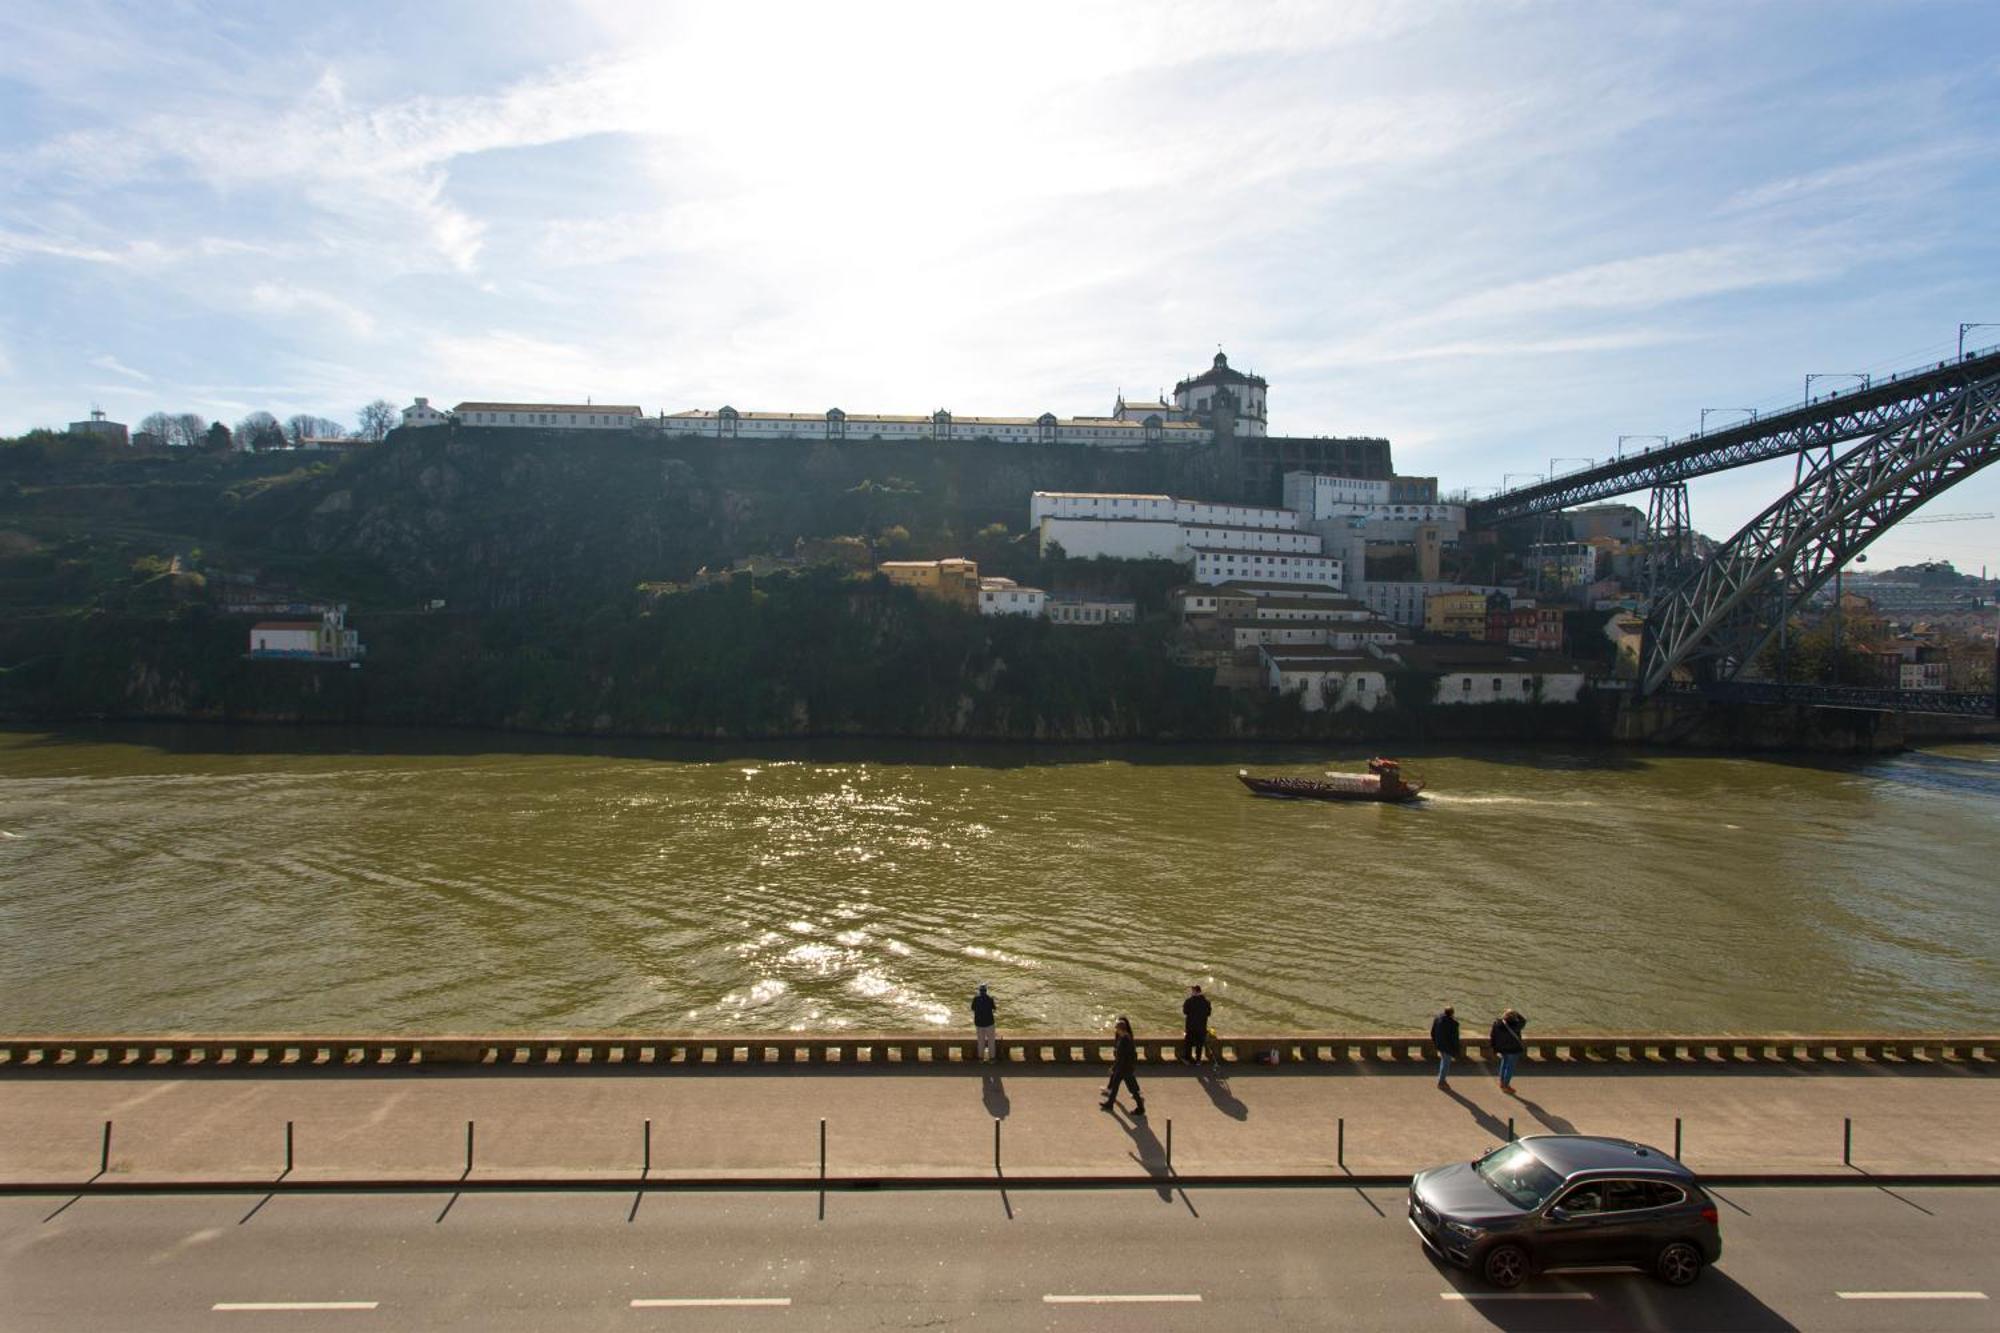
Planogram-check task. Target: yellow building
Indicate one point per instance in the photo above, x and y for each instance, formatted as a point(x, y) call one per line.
point(1459, 613)
point(955, 580)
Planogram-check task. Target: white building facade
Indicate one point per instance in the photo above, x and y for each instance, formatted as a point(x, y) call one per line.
point(1325, 680)
point(549, 416)
point(1300, 571)
point(421, 413)
point(1004, 597)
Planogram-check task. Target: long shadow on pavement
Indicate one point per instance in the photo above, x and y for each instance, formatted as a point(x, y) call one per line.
point(993, 1094)
point(1484, 1118)
point(1549, 1120)
point(1226, 1101)
point(1147, 1151)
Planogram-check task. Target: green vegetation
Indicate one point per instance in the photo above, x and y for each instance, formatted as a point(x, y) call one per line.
point(568, 572)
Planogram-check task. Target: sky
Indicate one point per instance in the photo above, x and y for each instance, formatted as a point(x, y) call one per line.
point(1500, 234)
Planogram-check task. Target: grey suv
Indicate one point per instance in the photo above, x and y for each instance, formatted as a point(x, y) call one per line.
point(1567, 1200)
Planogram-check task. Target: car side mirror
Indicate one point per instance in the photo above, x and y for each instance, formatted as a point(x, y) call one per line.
point(1559, 1214)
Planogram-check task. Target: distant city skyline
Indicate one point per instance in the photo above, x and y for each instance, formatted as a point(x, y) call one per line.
point(1500, 236)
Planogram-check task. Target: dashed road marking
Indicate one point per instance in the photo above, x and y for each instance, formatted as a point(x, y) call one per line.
point(1911, 1295)
point(1516, 1296)
point(243, 1306)
point(707, 1302)
point(1186, 1298)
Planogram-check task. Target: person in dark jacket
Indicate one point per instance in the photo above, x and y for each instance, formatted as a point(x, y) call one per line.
point(982, 1022)
point(1507, 1044)
point(1124, 1060)
point(1196, 1009)
point(1444, 1036)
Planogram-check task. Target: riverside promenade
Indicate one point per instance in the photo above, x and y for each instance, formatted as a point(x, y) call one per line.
point(322, 1113)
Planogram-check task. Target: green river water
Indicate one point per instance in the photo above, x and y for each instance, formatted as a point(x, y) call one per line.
point(204, 879)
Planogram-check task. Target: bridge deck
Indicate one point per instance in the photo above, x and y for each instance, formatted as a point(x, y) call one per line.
point(1829, 419)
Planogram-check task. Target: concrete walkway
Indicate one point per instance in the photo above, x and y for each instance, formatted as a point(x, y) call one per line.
point(561, 1125)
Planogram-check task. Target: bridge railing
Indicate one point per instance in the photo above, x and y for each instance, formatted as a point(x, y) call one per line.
point(909, 1052)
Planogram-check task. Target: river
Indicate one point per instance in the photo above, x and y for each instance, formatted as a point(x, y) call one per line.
point(159, 879)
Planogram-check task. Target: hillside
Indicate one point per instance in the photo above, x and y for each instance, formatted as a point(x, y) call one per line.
point(563, 565)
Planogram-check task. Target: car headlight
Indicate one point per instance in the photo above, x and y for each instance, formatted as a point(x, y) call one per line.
point(1461, 1229)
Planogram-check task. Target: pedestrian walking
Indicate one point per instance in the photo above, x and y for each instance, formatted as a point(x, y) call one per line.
point(1124, 1060)
point(1444, 1036)
point(982, 1022)
point(1196, 1009)
point(1507, 1044)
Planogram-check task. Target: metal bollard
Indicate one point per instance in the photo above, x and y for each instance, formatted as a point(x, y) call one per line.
point(1846, 1140)
point(1340, 1145)
point(104, 1153)
point(1510, 1129)
point(646, 1164)
point(996, 1146)
point(1677, 1138)
point(288, 1147)
point(468, 1147)
point(1170, 1143)
point(822, 1153)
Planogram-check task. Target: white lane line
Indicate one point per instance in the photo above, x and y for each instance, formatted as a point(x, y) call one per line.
point(707, 1302)
point(1911, 1295)
point(1516, 1296)
point(255, 1305)
point(1164, 1299)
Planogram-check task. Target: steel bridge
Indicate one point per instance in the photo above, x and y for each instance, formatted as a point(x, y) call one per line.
point(1718, 616)
point(1820, 424)
point(1912, 436)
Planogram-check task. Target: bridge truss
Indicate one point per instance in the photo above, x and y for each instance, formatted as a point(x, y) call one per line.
point(1813, 428)
point(1721, 615)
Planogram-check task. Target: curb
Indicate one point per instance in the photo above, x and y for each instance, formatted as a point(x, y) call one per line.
point(695, 1185)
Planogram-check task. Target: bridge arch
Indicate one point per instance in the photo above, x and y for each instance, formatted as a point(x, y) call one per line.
point(1723, 612)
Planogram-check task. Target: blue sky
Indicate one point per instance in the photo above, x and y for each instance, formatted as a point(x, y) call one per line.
point(1497, 233)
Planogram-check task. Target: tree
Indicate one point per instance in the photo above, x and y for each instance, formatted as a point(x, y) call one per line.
point(218, 439)
point(189, 428)
point(158, 425)
point(305, 426)
point(377, 420)
point(259, 431)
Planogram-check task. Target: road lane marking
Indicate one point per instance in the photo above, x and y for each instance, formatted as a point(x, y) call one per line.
point(708, 1302)
point(1911, 1295)
point(294, 1305)
point(1165, 1299)
point(1516, 1296)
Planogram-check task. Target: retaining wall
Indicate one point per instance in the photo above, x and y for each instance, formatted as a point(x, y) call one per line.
point(901, 1050)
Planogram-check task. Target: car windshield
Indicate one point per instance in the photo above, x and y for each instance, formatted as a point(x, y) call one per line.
point(1518, 1174)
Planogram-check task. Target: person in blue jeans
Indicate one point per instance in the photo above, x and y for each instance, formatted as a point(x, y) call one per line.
point(1507, 1044)
point(1444, 1036)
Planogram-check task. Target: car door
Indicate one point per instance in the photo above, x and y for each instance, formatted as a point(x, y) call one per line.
point(1572, 1225)
point(1625, 1233)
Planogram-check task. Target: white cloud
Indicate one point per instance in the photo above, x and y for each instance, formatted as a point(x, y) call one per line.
point(1645, 282)
point(117, 367)
point(286, 299)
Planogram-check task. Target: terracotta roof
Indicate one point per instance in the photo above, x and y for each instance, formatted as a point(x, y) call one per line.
point(287, 624)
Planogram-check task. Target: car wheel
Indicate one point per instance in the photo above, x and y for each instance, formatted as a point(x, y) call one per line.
point(1505, 1265)
point(1679, 1264)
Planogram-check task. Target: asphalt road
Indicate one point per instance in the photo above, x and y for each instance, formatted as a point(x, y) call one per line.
point(1220, 1258)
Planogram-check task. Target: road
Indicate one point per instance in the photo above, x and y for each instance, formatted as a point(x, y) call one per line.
point(1217, 1258)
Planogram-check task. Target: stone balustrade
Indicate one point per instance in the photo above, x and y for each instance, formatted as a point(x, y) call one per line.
point(901, 1051)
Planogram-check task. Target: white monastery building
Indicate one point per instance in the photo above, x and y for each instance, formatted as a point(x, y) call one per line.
point(1218, 398)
